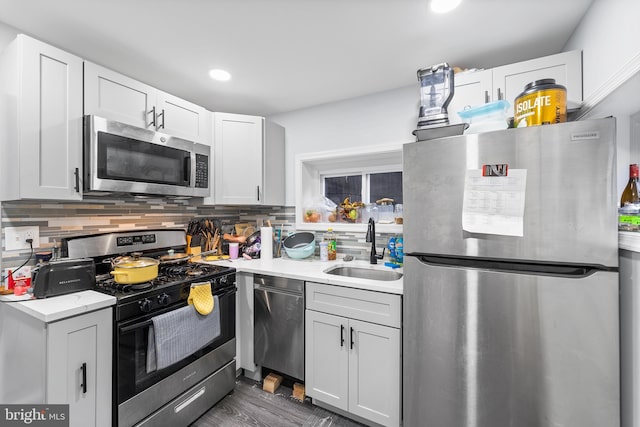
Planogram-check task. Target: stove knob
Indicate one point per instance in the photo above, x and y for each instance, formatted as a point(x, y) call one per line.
point(145, 305)
point(223, 280)
point(163, 299)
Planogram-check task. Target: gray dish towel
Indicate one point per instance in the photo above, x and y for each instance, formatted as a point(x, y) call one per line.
point(180, 333)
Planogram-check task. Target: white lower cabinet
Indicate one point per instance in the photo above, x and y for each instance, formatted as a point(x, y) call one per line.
point(63, 362)
point(352, 364)
point(79, 367)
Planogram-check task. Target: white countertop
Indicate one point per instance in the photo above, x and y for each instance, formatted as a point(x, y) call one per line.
point(61, 307)
point(313, 270)
point(629, 240)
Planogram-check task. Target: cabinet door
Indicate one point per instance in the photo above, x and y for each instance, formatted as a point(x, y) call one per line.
point(79, 351)
point(50, 122)
point(238, 158)
point(566, 68)
point(471, 89)
point(116, 97)
point(183, 119)
point(374, 372)
point(273, 164)
point(327, 358)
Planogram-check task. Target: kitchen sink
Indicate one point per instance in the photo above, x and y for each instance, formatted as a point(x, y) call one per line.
point(364, 273)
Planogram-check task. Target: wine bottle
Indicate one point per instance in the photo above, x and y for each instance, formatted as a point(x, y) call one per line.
point(630, 193)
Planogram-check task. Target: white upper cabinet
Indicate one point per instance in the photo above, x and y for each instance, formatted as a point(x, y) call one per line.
point(117, 97)
point(249, 160)
point(182, 118)
point(114, 96)
point(41, 122)
point(508, 81)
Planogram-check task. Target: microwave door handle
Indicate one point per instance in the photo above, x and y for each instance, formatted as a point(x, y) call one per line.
point(187, 170)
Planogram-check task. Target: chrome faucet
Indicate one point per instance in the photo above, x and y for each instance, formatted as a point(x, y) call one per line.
point(371, 237)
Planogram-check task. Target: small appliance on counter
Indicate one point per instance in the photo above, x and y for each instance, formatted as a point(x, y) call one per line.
point(63, 277)
point(436, 92)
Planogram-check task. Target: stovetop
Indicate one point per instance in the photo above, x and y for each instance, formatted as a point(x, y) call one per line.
point(167, 276)
point(170, 288)
point(166, 292)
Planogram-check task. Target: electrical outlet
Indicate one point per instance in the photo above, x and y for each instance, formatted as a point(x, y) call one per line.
point(15, 238)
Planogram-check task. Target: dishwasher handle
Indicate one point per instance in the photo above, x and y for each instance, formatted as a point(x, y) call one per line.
point(274, 290)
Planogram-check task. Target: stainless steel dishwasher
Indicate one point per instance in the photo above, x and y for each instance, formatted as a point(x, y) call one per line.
point(279, 324)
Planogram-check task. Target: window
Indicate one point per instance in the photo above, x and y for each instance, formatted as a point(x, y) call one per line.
point(364, 174)
point(364, 187)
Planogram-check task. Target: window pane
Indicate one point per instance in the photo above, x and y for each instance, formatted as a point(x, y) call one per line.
point(338, 187)
point(386, 185)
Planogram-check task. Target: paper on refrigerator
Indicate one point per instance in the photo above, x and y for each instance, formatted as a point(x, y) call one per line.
point(494, 204)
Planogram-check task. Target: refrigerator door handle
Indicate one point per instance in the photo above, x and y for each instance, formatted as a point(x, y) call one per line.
point(509, 266)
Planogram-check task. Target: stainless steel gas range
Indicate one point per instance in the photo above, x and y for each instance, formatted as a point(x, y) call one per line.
point(177, 394)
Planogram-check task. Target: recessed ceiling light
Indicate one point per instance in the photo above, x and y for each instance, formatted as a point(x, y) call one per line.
point(444, 6)
point(220, 75)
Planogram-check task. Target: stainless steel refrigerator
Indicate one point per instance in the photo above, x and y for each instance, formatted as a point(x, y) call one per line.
point(510, 306)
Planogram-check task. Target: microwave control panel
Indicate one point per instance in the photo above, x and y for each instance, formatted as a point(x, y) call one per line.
point(202, 171)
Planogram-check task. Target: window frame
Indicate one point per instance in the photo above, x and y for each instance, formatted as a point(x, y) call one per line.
point(311, 168)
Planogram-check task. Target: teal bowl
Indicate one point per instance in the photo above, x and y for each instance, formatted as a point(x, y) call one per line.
point(299, 245)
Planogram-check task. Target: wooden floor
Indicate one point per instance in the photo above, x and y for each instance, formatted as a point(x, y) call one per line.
point(249, 405)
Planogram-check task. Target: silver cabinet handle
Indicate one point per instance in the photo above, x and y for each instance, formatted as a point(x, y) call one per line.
point(500, 96)
point(258, 192)
point(486, 96)
point(153, 117)
point(77, 175)
point(351, 337)
point(83, 368)
point(161, 115)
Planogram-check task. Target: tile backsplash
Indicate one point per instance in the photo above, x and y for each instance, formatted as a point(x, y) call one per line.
point(65, 219)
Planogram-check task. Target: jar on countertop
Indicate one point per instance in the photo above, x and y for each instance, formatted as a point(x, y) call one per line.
point(629, 218)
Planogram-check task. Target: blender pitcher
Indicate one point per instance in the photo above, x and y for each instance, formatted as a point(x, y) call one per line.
point(436, 91)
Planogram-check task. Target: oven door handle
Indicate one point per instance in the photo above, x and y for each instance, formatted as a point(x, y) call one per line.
point(139, 325)
point(148, 322)
point(229, 291)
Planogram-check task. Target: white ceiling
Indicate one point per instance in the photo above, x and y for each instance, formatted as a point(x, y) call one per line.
point(290, 54)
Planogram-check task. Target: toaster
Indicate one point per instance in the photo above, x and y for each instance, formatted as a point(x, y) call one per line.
point(63, 277)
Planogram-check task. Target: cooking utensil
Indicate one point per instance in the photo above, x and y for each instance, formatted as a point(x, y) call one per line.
point(182, 257)
point(236, 239)
point(251, 247)
point(132, 270)
point(299, 245)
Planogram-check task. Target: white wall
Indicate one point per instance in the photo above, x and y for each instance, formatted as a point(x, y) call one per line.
point(609, 36)
point(377, 119)
point(7, 34)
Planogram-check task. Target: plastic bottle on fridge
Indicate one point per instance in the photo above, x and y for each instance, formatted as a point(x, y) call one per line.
point(330, 238)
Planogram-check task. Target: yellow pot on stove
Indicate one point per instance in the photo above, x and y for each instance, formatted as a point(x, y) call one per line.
point(134, 271)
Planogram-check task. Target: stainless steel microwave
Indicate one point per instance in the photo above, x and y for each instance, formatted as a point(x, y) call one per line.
point(120, 158)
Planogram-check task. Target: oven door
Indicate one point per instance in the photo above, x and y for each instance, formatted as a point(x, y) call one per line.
point(126, 159)
point(131, 348)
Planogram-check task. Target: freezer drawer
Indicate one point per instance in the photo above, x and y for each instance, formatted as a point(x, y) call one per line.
point(279, 324)
point(488, 348)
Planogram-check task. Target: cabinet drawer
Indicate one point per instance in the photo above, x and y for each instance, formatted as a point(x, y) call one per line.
point(369, 306)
